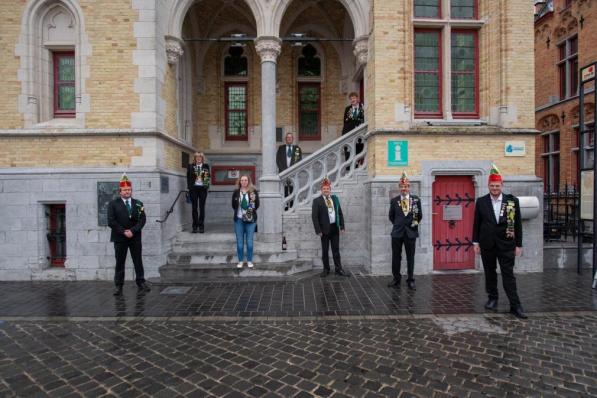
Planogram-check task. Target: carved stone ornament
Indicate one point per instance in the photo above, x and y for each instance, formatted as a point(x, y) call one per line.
point(549, 123)
point(360, 49)
point(268, 48)
point(174, 49)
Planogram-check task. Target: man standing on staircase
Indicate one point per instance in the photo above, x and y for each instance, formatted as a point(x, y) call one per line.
point(328, 221)
point(287, 155)
point(405, 216)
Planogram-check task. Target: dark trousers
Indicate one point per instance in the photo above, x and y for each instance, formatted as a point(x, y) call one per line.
point(409, 246)
point(506, 260)
point(120, 250)
point(332, 238)
point(198, 197)
point(288, 189)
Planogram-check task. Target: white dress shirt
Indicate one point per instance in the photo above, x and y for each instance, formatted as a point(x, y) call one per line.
point(288, 158)
point(331, 211)
point(497, 206)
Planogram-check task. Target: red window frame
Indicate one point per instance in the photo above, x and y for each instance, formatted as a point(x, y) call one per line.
point(57, 246)
point(302, 136)
point(55, 59)
point(227, 86)
point(240, 168)
point(475, 114)
point(439, 114)
point(439, 11)
point(475, 10)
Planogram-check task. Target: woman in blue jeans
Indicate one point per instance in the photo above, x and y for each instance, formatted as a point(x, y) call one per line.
point(245, 202)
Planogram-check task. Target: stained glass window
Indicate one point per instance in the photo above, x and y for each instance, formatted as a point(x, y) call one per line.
point(427, 72)
point(236, 111)
point(64, 84)
point(464, 72)
point(309, 111)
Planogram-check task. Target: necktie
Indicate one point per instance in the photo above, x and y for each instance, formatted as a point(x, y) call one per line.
point(354, 112)
point(289, 151)
point(128, 206)
point(244, 204)
point(404, 205)
point(328, 202)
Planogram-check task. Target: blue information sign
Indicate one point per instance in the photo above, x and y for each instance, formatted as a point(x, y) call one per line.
point(397, 153)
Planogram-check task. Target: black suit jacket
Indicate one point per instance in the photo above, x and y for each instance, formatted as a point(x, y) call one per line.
point(488, 233)
point(320, 217)
point(236, 202)
point(191, 174)
point(402, 225)
point(119, 220)
point(350, 122)
point(297, 156)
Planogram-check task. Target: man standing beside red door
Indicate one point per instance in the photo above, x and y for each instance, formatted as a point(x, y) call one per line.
point(497, 236)
point(405, 215)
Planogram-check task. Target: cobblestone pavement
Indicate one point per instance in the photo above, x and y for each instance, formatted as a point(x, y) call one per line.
point(430, 356)
point(333, 296)
point(338, 337)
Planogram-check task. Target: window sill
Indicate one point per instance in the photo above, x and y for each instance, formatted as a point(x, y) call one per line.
point(449, 122)
point(59, 123)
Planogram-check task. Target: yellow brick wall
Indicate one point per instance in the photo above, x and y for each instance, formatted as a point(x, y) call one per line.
point(209, 107)
point(453, 147)
point(67, 151)
point(173, 156)
point(10, 28)
point(170, 97)
point(112, 73)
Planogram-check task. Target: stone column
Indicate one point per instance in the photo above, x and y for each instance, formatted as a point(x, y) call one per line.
point(270, 212)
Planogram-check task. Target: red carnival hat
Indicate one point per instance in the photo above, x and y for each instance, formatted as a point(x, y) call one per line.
point(494, 174)
point(326, 182)
point(404, 178)
point(125, 182)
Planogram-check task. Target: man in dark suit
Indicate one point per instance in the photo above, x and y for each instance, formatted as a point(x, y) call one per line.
point(328, 221)
point(497, 236)
point(126, 218)
point(405, 216)
point(354, 116)
point(288, 154)
point(198, 179)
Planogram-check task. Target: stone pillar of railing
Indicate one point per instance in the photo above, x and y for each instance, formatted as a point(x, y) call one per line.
point(270, 212)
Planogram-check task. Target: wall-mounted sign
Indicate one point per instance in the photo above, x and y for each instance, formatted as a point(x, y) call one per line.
point(397, 153)
point(452, 212)
point(588, 73)
point(586, 195)
point(515, 148)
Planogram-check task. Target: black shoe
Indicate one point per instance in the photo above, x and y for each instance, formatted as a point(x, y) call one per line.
point(194, 231)
point(118, 291)
point(143, 287)
point(201, 230)
point(411, 285)
point(394, 283)
point(324, 273)
point(518, 312)
point(341, 272)
point(491, 304)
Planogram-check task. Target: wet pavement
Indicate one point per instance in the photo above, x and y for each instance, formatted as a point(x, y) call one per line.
point(333, 296)
point(336, 337)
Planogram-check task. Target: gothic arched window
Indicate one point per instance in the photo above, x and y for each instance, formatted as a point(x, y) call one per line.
point(235, 63)
point(309, 64)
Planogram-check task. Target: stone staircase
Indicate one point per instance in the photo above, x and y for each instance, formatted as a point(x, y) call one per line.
point(212, 256)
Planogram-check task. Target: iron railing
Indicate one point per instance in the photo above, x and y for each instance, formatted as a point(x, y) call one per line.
point(560, 214)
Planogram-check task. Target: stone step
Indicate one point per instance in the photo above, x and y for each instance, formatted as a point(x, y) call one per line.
point(189, 273)
point(229, 256)
point(223, 246)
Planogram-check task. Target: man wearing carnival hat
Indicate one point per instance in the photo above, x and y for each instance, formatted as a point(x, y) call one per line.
point(328, 221)
point(405, 216)
point(497, 237)
point(126, 218)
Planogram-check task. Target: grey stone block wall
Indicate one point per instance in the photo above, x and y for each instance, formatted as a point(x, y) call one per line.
point(300, 234)
point(90, 254)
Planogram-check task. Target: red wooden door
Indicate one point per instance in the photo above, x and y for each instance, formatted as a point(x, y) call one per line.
point(453, 214)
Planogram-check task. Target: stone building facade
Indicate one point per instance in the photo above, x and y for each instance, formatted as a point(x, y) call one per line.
point(93, 89)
